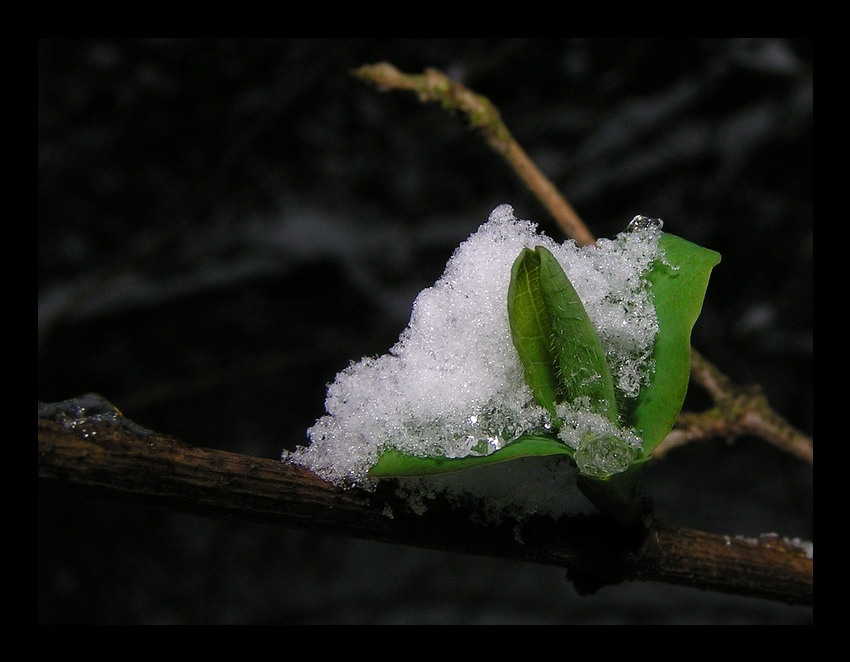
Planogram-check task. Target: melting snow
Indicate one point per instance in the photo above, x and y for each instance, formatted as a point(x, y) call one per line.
point(453, 384)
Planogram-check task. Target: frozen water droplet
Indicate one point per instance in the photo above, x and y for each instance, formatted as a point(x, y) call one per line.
point(644, 223)
point(603, 455)
point(481, 446)
point(87, 413)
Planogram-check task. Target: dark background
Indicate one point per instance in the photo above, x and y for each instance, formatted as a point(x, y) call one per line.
point(224, 224)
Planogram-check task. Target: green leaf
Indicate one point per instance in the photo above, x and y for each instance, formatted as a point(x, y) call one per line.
point(531, 329)
point(557, 343)
point(394, 464)
point(678, 281)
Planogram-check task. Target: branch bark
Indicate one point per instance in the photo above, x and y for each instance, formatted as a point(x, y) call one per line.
point(113, 458)
point(435, 86)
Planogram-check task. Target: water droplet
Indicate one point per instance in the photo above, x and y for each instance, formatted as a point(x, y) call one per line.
point(87, 413)
point(480, 446)
point(644, 223)
point(603, 455)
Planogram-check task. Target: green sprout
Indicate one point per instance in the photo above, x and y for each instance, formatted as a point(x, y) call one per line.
point(610, 434)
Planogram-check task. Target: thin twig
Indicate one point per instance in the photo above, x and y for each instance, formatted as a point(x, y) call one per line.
point(435, 86)
point(737, 410)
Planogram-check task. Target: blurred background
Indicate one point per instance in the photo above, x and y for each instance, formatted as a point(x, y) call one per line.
point(224, 224)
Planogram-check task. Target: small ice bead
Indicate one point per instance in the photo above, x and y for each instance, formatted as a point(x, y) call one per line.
point(603, 455)
point(644, 223)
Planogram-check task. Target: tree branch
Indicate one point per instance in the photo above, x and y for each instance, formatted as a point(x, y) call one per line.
point(737, 411)
point(435, 86)
point(110, 457)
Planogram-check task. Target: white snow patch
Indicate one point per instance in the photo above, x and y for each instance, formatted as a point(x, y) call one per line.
point(453, 384)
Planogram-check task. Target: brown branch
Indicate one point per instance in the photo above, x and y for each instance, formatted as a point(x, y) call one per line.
point(737, 411)
point(435, 86)
point(113, 458)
